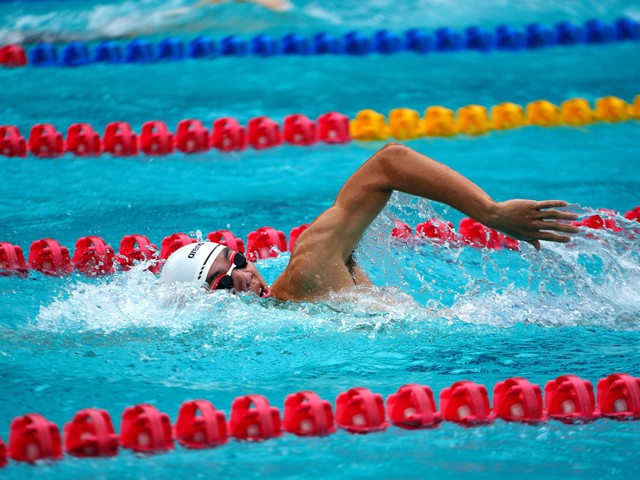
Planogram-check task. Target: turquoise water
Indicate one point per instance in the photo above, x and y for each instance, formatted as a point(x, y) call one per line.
point(455, 313)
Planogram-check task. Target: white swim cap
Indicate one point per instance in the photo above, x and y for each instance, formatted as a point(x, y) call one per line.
point(191, 263)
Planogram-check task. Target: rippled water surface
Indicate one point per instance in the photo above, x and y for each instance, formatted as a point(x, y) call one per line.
point(441, 313)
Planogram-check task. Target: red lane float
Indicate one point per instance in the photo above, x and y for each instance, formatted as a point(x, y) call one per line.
point(82, 140)
point(438, 230)
point(333, 127)
point(358, 410)
point(192, 137)
point(228, 135)
point(619, 397)
point(265, 243)
point(306, 414)
point(471, 233)
point(477, 235)
point(119, 140)
point(294, 234)
point(402, 230)
point(12, 260)
point(413, 407)
point(518, 400)
point(633, 214)
point(93, 256)
point(258, 422)
point(3, 454)
point(49, 257)
point(13, 56)
point(227, 238)
point(90, 434)
point(200, 425)
point(298, 129)
point(12, 144)
point(156, 139)
point(146, 430)
point(32, 438)
point(173, 242)
point(263, 133)
point(45, 141)
point(596, 222)
point(570, 399)
point(466, 403)
point(137, 248)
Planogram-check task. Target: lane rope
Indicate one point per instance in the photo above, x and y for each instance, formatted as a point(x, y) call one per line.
point(228, 135)
point(145, 429)
point(354, 43)
point(94, 257)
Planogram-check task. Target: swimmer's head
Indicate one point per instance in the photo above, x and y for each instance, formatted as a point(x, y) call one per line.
point(215, 266)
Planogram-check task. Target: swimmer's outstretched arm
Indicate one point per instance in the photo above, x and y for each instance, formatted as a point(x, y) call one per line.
point(396, 167)
point(321, 259)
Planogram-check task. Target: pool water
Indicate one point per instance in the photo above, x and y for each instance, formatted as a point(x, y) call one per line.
point(441, 314)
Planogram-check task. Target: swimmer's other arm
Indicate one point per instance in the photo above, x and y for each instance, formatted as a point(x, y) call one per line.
point(396, 167)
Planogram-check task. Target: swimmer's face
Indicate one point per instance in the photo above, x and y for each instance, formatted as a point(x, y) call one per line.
point(244, 279)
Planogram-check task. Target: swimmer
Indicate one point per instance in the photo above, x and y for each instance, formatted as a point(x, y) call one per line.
point(322, 259)
point(138, 23)
point(275, 5)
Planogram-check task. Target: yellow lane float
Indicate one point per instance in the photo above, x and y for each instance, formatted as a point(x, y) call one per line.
point(634, 108)
point(543, 114)
point(405, 124)
point(612, 109)
point(473, 120)
point(577, 112)
point(439, 122)
point(506, 116)
point(369, 125)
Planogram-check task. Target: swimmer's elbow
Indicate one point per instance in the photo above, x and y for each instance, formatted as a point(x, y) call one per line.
point(388, 161)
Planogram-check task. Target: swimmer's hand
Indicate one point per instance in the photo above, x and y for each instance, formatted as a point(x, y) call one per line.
point(532, 221)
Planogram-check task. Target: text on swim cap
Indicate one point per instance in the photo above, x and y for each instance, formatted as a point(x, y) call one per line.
point(193, 251)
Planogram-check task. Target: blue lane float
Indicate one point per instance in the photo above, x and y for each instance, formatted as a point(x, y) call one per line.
point(354, 43)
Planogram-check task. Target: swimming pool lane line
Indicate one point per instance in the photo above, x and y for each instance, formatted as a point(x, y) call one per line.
point(227, 134)
point(144, 429)
point(94, 257)
point(354, 43)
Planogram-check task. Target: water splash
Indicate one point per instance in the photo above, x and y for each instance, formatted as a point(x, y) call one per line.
point(135, 302)
point(592, 281)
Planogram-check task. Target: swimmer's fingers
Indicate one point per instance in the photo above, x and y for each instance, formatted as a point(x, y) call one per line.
point(556, 215)
point(551, 204)
point(544, 231)
point(556, 226)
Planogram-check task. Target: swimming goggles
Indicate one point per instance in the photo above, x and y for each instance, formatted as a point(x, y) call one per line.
point(224, 281)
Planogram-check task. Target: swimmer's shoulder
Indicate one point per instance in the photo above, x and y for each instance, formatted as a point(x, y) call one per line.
point(296, 283)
